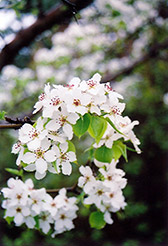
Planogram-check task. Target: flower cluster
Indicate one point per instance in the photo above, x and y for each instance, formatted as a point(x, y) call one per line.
point(106, 192)
point(46, 145)
point(37, 209)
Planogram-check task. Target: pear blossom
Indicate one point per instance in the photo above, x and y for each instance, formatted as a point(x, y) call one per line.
point(32, 136)
point(64, 158)
point(63, 119)
point(42, 98)
point(45, 146)
point(39, 157)
point(18, 212)
point(93, 85)
point(63, 221)
point(87, 180)
point(77, 101)
point(36, 200)
point(45, 222)
point(53, 102)
point(59, 211)
point(97, 194)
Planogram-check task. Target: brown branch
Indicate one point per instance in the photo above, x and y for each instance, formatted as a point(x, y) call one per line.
point(10, 126)
point(72, 188)
point(57, 16)
point(152, 53)
point(15, 123)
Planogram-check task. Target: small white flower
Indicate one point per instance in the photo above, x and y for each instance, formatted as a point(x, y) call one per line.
point(45, 221)
point(32, 136)
point(87, 180)
point(63, 119)
point(37, 198)
point(42, 98)
point(76, 102)
point(18, 212)
point(39, 157)
point(64, 158)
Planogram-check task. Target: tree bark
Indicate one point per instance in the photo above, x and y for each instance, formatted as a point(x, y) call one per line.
point(57, 16)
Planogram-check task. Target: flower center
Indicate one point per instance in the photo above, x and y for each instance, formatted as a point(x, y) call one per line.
point(62, 216)
point(115, 110)
point(77, 102)
point(18, 210)
point(64, 156)
point(55, 101)
point(34, 201)
point(91, 83)
point(41, 97)
point(109, 88)
point(39, 153)
point(18, 196)
point(53, 204)
point(44, 217)
point(111, 195)
point(109, 178)
point(99, 192)
point(62, 120)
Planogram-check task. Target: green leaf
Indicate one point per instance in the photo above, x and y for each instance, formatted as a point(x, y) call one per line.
point(81, 125)
point(123, 149)
point(112, 124)
point(96, 220)
point(116, 152)
point(97, 127)
point(133, 150)
point(71, 146)
point(119, 149)
point(9, 220)
point(2, 115)
point(55, 167)
point(104, 154)
point(15, 171)
point(36, 218)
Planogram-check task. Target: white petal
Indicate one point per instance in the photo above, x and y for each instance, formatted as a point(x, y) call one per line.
point(29, 183)
point(52, 125)
point(66, 168)
point(30, 167)
point(50, 156)
point(107, 218)
point(10, 212)
point(67, 128)
point(96, 77)
point(41, 166)
point(64, 147)
point(72, 118)
point(18, 219)
point(34, 144)
point(25, 211)
point(29, 157)
point(30, 222)
point(45, 144)
point(39, 175)
point(45, 226)
point(71, 155)
point(68, 223)
point(59, 224)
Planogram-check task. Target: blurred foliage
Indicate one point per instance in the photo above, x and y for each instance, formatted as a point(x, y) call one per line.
point(144, 220)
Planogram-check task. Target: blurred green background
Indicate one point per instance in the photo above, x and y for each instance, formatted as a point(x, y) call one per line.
point(109, 37)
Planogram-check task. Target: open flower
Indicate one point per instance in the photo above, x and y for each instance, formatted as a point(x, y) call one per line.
point(63, 119)
point(39, 158)
point(64, 158)
point(32, 136)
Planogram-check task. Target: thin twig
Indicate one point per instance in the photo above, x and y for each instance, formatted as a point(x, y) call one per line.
point(57, 16)
point(72, 188)
point(152, 53)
